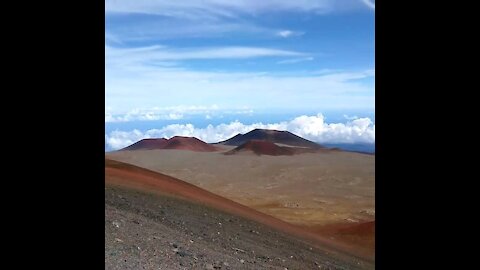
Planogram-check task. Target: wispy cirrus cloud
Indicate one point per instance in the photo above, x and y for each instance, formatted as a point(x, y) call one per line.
point(165, 28)
point(162, 86)
point(235, 67)
point(151, 76)
point(221, 8)
point(162, 53)
point(209, 18)
point(111, 38)
point(159, 113)
point(289, 33)
point(369, 3)
point(141, 116)
point(295, 60)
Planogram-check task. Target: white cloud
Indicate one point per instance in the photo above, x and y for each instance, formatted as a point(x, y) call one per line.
point(175, 116)
point(220, 8)
point(295, 60)
point(173, 113)
point(119, 139)
point(210, 18)
point(361, 130)
point(111, 38)
point(160, 53)
point(141, 116)
point(285, 33)
point(163, 28)
point(369, 3)
point(350, 117)
point(158, 113)
point(148, 77)
point(288, 33)
point(327, 71)
point(131, 85)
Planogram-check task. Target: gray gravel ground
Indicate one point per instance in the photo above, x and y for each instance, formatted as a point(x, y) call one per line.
point(145, 231)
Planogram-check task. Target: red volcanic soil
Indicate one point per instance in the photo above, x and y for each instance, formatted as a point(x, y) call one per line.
point(177, 142)
point(358, 234)
point(130, 176)
point(260, 147)
point(147, 144)
point(360, 228)
point(189, 143)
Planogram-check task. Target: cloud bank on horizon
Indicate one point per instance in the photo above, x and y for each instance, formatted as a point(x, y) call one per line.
point(314, 128)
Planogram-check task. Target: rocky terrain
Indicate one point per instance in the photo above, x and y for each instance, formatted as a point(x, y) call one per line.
point(153, 231)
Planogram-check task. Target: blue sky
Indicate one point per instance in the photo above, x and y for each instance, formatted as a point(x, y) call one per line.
point(171, 62)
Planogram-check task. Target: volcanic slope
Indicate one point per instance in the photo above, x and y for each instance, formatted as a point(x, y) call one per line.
point(177, 142)
point(147, 144)
point(259, 147)
point(152, 220)
point(358, 234)
point(274, 136)
point(309, 189)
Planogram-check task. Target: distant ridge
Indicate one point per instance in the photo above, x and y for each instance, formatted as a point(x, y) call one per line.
point(273, 136)
point(147, 144)
point(177, 142)
point(189, 143)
